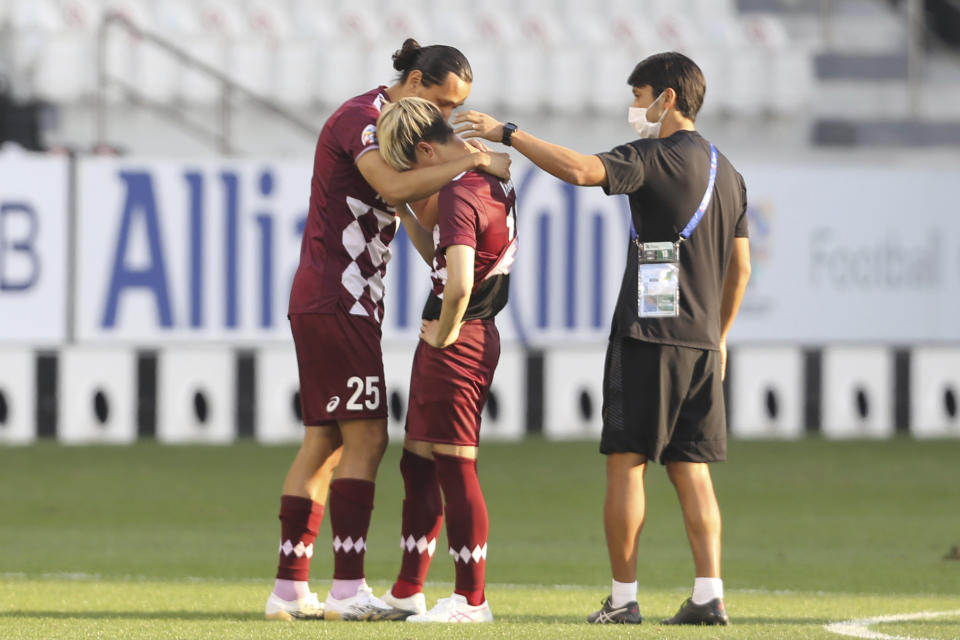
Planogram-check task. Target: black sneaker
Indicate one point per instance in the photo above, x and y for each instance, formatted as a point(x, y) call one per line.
point(712, 613)
point(608, 614)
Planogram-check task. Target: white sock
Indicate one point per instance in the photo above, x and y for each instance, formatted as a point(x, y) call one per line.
point(706, 589)
point(291, 589)
point(623, 592)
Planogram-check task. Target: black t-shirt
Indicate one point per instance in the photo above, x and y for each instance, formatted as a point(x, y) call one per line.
point(665, 180)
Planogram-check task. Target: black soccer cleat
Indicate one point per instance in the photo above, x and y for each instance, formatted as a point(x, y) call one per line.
point(709, 613)
point(608, 614)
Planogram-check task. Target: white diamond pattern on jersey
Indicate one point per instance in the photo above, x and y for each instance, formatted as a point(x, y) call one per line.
point(366, 241)
point(349, 545)
point(465, 555)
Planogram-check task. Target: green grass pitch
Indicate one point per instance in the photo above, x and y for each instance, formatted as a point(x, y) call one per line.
point(180, 542)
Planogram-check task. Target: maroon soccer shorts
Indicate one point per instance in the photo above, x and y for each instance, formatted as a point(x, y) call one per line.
point(341, 367)
point(448, 387)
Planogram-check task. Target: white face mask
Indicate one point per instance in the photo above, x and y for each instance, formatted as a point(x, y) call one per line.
point(637, 117)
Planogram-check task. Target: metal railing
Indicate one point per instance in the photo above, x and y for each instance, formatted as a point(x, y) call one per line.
point(912, 14)
point(222, 134)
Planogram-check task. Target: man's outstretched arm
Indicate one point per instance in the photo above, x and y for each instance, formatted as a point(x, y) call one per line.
point(566, 164)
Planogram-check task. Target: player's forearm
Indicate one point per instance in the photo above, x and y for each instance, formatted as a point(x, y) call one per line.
point(417, 184)
point(455, 301)
point(421, 238)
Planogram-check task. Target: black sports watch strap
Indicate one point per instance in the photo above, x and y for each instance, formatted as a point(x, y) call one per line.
point(508, 129)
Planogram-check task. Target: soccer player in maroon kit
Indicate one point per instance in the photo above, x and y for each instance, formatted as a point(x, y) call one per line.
point(475, 245)
point(336, 310)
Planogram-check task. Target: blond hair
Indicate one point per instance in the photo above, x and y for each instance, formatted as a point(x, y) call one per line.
point(403, 124)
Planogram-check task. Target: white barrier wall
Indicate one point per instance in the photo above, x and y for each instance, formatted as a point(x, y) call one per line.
point(504, 415)
point(196, 395)
point(857, 392)
point(935, 392)
point(767, 393)
point(97, 395)
point(190, 394)
point(397, 364)
point(278, 418)
point(573, 392)
point(18, 395)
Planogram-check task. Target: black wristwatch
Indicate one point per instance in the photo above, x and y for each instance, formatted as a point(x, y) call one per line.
point(508, 129)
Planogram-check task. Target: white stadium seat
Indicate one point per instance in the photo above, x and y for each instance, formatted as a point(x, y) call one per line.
point(857, 392)
point(18, 395)
point(297, 71)
point(487, 64)
point(33, 25)
point(196, 395)
point(97, 395)
point(67, 70)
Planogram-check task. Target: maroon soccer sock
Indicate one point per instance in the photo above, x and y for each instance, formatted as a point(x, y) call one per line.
point(467, 524)
point(299, 522)
point(422, 519)
point(351, 502)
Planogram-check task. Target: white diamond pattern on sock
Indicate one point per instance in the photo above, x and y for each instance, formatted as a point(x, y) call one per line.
point(465, 555)
point(421, 545)
point(348, 545)
point(300, 550)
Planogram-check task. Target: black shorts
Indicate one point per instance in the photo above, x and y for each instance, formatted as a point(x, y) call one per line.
point(663, 401)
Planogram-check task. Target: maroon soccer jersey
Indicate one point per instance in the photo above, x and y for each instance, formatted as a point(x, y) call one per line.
point(477, 210)
point(345, 247)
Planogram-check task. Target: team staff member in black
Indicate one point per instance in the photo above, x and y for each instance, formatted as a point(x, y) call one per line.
point(663, 398)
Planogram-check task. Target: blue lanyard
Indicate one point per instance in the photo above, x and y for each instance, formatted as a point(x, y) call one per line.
point(705, 202)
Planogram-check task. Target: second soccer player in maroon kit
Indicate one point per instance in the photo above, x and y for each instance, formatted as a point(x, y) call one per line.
point(474, 244)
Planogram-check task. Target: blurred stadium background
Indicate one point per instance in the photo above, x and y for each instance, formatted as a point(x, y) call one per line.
point(156, 167)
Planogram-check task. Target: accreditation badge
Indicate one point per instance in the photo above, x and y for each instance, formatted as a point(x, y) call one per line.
point(658, 279)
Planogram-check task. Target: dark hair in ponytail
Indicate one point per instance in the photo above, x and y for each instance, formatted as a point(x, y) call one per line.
point(434, 62)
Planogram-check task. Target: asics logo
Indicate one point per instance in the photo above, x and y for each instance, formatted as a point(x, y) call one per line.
point(333, 403)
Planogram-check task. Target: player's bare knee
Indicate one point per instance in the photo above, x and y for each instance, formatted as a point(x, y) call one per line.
point(324, 439)
point(365, 438)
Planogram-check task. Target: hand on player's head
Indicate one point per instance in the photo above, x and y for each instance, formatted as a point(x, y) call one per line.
point(474, 124)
